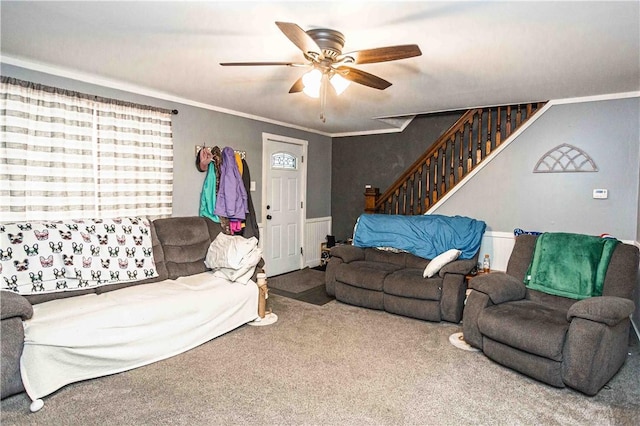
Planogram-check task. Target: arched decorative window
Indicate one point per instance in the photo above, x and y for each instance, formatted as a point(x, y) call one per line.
point(284, 161)
point(565, 158)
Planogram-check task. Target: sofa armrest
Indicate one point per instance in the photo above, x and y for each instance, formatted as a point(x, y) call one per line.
point(462, 267)
point(14, 305)
point(347, 253)
point(499, 286)
point(609, 310)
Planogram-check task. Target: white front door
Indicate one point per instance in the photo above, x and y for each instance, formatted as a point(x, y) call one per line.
point(283, 203)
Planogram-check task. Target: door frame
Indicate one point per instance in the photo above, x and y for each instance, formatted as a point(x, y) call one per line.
point(266, 167)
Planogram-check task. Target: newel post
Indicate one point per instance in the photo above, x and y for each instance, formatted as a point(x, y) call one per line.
point(370, 198)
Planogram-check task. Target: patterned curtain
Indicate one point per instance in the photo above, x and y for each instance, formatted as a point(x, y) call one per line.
point(67, 155)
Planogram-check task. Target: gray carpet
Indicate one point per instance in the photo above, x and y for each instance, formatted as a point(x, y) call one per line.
point(331, 365)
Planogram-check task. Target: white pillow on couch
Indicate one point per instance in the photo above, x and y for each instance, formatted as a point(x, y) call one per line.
point(439, 261)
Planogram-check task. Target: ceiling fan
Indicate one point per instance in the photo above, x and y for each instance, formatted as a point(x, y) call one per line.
point(322, 48)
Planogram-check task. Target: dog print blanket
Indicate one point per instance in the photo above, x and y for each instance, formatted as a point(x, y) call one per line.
point(52, 256)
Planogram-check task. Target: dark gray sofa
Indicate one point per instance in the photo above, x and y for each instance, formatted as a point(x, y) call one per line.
point(562, 342)
point(179, 248)
point(394, 282)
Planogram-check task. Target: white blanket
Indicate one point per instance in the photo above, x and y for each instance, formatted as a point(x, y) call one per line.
point(84, 337)
point(233, 257)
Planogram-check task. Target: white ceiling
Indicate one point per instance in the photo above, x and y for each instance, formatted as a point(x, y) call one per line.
point(474, 53)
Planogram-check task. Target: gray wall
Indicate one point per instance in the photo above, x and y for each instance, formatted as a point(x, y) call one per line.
point(636, 314)
point(507, 195)
point(195, 126)
point(376, 160)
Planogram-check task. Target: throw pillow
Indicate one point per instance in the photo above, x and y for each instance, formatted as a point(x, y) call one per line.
point(439, 261)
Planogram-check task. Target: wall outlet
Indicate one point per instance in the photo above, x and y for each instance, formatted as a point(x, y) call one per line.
point(600, 194)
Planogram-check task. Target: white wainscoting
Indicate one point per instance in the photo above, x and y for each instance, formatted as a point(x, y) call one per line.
point(315, 233)
point(498, 245)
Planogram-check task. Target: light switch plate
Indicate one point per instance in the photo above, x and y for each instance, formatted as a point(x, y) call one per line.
point(600, 194)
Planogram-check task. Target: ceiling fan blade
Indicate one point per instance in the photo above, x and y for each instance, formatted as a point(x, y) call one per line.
point(382, 54)
point(254, 64)
point(361, 77)
point(298, 86)
point(301, 39)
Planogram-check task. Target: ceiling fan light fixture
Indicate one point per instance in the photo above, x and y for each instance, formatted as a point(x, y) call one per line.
point(312, 81)
point(339, 83)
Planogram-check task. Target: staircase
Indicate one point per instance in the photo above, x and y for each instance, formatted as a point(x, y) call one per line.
point(453, 156)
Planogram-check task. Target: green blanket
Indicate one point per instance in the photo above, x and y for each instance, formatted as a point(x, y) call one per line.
point(570, 265)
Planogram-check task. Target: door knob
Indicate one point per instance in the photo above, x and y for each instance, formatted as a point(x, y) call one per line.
point(268, 217)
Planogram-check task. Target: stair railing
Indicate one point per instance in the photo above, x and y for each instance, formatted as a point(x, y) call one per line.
point(449, 159)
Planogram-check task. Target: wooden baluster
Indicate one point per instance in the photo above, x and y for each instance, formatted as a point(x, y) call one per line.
point(443, 171)
point(479, 148)
point(470, 147)
point(518, 116)
point(404, 198)
point(397, 196)
point(427, 186)
point(487, 149)
point(452, 167)
point(498, 125)
point(508, 130)
point(420, 199)
point(460, 153)
point(434, 198)
point(412, 184)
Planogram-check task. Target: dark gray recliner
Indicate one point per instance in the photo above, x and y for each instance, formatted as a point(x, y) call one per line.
point(13, 310)
point(560, 341)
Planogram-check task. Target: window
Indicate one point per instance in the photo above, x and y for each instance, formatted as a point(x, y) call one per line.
point(283, 160)
point(66, 155)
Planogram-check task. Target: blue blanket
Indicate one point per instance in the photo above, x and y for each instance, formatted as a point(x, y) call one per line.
point(426, 236)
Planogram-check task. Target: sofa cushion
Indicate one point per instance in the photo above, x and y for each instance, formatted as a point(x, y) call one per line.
point(527, 326)
point(427, 310)
point(185, 242)
point(413, 261)
point(347, 253)
point(382, 256)
point(359, 296)
point(363, 274)
point(409, 283)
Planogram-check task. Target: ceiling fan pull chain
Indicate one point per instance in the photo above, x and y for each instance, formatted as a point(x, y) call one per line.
point(324, 83)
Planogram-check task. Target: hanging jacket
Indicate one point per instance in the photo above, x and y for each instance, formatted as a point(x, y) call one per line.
point(251, 228)
point(217, 160)
point(208, 194)
point(232, 197)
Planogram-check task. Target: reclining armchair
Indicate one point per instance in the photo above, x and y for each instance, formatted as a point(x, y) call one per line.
point(13, 310)
point(557, 340)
